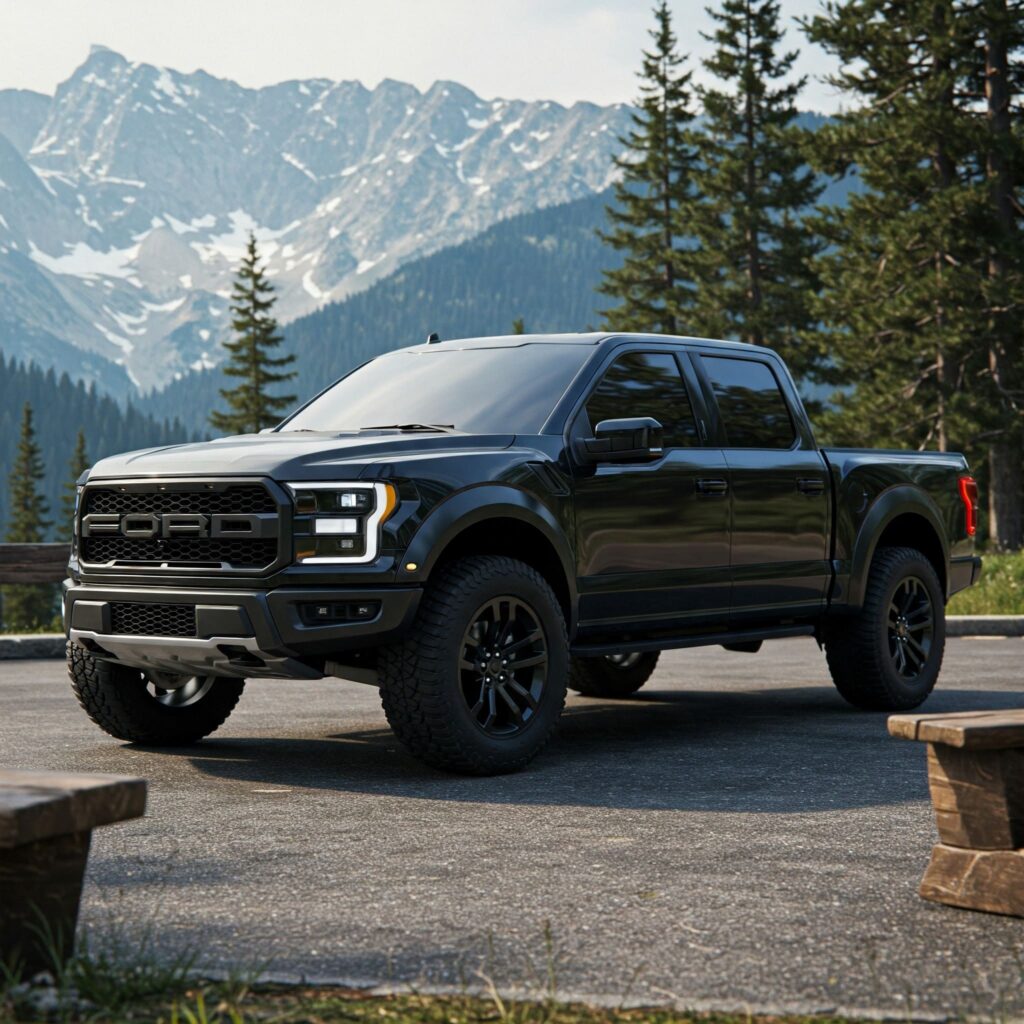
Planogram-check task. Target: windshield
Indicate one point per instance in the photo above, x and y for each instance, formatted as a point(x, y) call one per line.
point(506, 390)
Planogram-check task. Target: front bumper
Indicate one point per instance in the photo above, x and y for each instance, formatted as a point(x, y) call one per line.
point(242, 633)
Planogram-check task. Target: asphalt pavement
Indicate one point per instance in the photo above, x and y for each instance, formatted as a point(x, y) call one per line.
point(734, 837)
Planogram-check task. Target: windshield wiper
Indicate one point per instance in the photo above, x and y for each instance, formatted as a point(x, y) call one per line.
point(439, 428)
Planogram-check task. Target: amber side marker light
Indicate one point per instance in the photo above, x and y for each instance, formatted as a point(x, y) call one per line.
point(390, 501)
point(969, 496)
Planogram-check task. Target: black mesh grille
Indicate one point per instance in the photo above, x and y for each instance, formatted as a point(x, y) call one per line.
point(250, 498)
point(136, 619)
point(213, 552)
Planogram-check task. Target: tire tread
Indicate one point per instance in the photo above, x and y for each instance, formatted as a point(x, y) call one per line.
point(105, 693)
point(855, 658)
point(412, 694)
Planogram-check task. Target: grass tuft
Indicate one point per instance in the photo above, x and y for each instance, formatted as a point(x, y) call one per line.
point(1000, 591)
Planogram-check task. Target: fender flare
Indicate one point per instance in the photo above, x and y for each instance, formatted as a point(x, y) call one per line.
point(475, 505)
point(895, 502)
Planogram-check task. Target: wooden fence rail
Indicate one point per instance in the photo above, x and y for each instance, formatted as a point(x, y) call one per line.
point(33, 563)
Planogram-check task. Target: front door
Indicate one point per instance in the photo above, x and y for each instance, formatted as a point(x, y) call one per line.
point(780, 494)
point(652, 537)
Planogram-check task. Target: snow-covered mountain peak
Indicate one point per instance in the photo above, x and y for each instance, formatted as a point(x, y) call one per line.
point(126, 199)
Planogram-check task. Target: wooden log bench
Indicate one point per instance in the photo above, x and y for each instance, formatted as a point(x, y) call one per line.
point(46, 822)
point(976, 778)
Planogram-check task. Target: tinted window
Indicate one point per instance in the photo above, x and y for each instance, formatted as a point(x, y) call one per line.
point(510, 389)
point(646, 384)
point(753, 409)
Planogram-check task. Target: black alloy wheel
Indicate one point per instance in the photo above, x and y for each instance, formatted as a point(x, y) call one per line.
point(153, 708)
point(886, 655)
point(504, 665)
point(477, 684)
point(911, 627)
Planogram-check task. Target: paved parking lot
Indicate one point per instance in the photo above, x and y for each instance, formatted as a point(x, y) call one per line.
point(733, 837)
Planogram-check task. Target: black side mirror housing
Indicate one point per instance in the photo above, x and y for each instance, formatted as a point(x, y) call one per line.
point(636, 439)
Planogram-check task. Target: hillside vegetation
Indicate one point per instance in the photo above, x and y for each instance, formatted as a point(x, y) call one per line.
point(543, 266)
point(62, 408)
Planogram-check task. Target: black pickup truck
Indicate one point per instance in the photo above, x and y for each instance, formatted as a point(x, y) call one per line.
point(474, 526)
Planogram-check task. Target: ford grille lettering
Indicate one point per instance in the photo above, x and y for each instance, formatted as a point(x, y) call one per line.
point(145, 526)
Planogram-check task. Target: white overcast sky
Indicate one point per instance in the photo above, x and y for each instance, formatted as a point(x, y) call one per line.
point(564, 50)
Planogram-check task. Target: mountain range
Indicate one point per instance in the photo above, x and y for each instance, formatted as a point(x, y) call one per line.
point(126, 199)
point(542, 267)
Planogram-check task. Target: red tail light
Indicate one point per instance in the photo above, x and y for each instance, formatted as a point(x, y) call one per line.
point(969, 496)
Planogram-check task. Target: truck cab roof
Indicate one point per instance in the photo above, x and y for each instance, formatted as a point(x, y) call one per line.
point(592, 338)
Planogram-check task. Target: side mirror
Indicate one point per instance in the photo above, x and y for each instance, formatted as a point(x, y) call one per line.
point(637, 439)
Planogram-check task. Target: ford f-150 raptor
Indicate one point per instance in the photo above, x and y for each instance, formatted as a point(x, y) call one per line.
point(474, 526)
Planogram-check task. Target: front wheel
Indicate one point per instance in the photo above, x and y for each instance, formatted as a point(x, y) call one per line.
point(887, 657)
point(150, 708)
point(479, 682)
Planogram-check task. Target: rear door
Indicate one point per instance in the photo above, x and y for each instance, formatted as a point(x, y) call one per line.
point(652, 537)
point(780, 490)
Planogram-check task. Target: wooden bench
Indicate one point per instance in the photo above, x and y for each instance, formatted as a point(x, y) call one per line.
point(46, 821)
point(976, 777)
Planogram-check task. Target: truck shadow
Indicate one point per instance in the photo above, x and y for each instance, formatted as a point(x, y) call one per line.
point(779, 751)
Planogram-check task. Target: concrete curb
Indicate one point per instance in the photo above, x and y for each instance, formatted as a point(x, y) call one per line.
point(51, 645)
point(31, 645)
point(662, 1000)
point(985, 625)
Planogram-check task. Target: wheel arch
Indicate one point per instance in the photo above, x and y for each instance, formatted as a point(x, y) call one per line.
point(497, 521)
point(900, 518)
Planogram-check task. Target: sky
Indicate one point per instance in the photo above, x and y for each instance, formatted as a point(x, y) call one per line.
point(564, 50)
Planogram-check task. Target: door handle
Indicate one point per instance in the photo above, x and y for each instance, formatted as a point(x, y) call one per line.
point(810, 485)
point(712, 487)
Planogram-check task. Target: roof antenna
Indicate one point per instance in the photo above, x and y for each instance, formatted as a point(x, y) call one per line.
point(433, 338)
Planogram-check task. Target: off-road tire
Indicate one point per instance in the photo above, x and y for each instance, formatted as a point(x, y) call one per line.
point(601, 677)
point(117, 699)
point(857, 647)
point(420, 681)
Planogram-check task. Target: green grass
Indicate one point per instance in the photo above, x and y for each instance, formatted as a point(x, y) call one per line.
point(1000, 591)
point(121, 980)
point(212, 1004)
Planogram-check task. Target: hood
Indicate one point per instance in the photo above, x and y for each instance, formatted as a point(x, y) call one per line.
point(291, 455)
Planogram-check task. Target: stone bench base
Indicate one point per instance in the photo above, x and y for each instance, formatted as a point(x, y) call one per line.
point(40, 889)
point(46, 820)
point(990, 880)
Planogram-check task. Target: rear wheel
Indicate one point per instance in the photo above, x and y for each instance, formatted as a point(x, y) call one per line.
point(153, 708)
point(888, 656)
point(478, 684)
point(614, 675)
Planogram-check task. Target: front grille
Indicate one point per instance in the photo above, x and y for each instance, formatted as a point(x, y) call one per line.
point(174, 551)
point(137, 619)
point(197, 551)
point(247, 498)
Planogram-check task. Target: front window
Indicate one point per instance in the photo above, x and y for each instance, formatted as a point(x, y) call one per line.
point(646, 384)
point(508, 389)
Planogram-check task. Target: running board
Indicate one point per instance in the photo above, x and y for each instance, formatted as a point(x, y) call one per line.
point(668, 643)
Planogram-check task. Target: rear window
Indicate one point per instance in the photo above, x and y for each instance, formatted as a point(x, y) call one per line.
point(754, 410)
point(489, 390)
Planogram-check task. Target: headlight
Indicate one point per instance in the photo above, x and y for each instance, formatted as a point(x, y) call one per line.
point(338, 523)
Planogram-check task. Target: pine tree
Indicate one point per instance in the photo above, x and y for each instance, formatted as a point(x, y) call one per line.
point(999, 82)
point(77, 465)
point(251, 407)
point(27, 606)
point(654, 286)
point(518, 326)
point(757, 280)
point(900, 277)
